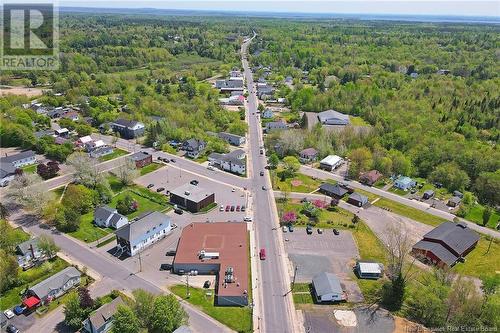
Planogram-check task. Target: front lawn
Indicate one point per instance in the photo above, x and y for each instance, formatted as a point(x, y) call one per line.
point(29, 168)
point(236, 318)
point(481, 261)
point(29, 278)
point(326, 219)
point(299, 183)
point(144, 204)
point(16, 235)
point(475, 214)
point(410, 212)
point(88, 231)
point(303, 293)
point(117, 152)
point(150, 168)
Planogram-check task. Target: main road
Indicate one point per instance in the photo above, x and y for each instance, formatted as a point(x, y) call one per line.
point(277, 309)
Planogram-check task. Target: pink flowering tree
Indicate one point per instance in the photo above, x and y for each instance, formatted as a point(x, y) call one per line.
point(289, 217)
point(319, 204)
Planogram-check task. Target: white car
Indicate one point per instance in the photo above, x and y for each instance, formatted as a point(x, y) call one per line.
point(8, 313)
point(210, 167)
point(285, 229)
point(221, 208)
point(247, 219)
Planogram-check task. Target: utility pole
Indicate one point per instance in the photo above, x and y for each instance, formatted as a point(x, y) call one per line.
point(140, 262)
point(187, 286)
point(294, 276)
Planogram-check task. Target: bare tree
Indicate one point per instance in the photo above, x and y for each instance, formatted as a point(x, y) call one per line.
point(127, 171)
point(398, 251)
point(86, 171)
point(28, 190)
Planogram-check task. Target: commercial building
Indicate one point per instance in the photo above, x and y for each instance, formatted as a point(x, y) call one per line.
point(332, 117)
point(142, 232)
point(327, 288)
point(192, 197)
point(446, 244)
point(219, 249)
point(331, 162)
point(141, 159)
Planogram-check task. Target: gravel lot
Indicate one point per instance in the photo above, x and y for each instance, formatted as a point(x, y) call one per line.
point(318, 253)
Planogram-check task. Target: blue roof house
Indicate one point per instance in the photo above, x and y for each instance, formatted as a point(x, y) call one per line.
point(404, 183)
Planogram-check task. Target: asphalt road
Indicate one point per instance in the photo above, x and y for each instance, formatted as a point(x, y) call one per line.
point(277, 311)
point(321, 174)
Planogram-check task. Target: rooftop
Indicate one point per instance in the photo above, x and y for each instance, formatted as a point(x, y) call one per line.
point(456, 235)
point(105, 313)
point(17, 157)
point(143, 225)
point(331, 160)
point(56, 281)
point(194, 193)
point(332, 114)
point(227, 238)
point(139, 156)
point(327, 283)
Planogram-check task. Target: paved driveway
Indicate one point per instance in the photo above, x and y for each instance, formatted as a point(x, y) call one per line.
point(317, 253)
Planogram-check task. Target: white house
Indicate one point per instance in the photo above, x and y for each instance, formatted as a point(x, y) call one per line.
point(327, 288)
point(21, 159)
point(108, 217)
point(331, 162)
point(232, 162)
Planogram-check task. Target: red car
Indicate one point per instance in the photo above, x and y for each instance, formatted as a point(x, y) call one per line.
point(227, 208)
point(238, 208)
point(262, 254)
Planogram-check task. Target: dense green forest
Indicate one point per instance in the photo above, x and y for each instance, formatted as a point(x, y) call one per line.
point(432, 126)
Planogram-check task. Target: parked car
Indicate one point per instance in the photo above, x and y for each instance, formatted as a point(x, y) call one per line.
point(160, 189)
point(221, 208)
point(262, 173)
point(336, 232)
point(207, 284)
point(285, 229)
point(262, 152)
point(238, 208)
point(228, 208)
point(165, 267)
point(243, 208)
point(159, 158)
point(8, 313)
point(247, 219)
point(309, 230)
point(172, 160)
point(232, 208)
point(179, 211)
point(19, 309)
point(194, 182)
point(11, 329)
point(150, 185)
point(320, 231)
point(233, 190)
point(170, 253)
point(210, 167)
point(290, 227)
point(262, 254)
point(263, 187)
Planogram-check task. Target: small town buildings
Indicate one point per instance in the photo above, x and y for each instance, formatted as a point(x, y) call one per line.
point(101, 320)
point(141, 159)
point(142, 232)
point(327, 288)
point(232, 139)
point(428, 194)
point(458, 194)
point(232, 162)
point(56, 285)
point(267, 114)
point(107, 217)
point(42, 133)
point(454, 202)
point(7, 173)
point(308, 155)
point(332, 117)
point(192, 197)
point(446, 244)
point(334, 191)
point(101, 151)
point(20, 159)
point(62, 133)
point(371, 177)
point(331, 162)
point(27, 252)
point(233, 100)
point(194, 147)
point(357, 199)
point(72, 115)
point(233, 83)
point(368, 270)
point(404, 183)
point(275, 126)
point(264, 91)
point(56, 112)
point(220, 249)
point(85, 142)
point(128, 129)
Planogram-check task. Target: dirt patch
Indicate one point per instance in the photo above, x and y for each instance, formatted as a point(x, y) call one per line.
point(404, 325)
point(30, 92)
point(345, 318)
point(296, 182)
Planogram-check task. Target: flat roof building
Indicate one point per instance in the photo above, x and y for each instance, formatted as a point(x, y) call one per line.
point(192, 197)
point(331, 162)
point(332, 117)
point(221, 249)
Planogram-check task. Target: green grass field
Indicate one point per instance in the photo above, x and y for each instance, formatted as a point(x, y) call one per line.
point(29, 168)
point(116, 153)
point(475, 214)
point(88, 231)
point(16, 234)
point(299, 183)
point(150, 168)
point(29, 278)
point(326, 219)
point(358, 121)
point(480, 261)
point(409, 212)
point(236, 318)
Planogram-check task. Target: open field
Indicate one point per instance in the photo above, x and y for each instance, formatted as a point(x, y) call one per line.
point(410, 212)
point(19, 91)
point(299, 183)
point(116, 153)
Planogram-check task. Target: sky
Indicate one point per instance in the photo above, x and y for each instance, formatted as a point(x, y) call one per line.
point(408, 7)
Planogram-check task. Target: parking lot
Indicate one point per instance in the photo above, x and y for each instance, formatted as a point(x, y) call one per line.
point(326, 252)
point(170, 177)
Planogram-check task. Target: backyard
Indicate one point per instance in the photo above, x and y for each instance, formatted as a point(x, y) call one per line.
point(236, 318)
point(299, 183)
point(475, 214)
point(116, 153)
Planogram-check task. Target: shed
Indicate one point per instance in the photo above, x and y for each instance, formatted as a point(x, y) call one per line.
point(428, 194)
point(357, 199)
point(327, 288)
point(368, 269)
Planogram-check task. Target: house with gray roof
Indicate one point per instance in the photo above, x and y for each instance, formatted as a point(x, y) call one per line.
point(232, 139)
point(7, 173)
point(101, 151)
point(56, 285)
point(107, 217)
point(194, 147)
point(101, 320)
point(446, 244)
point(142, 232)
point(357, 199)
point(332, 117)
point(275, 126)
point(128, 129)
point(327, 288)
point(334, 191)
point(232, 162)
point(20, 159)
point(27, 252)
